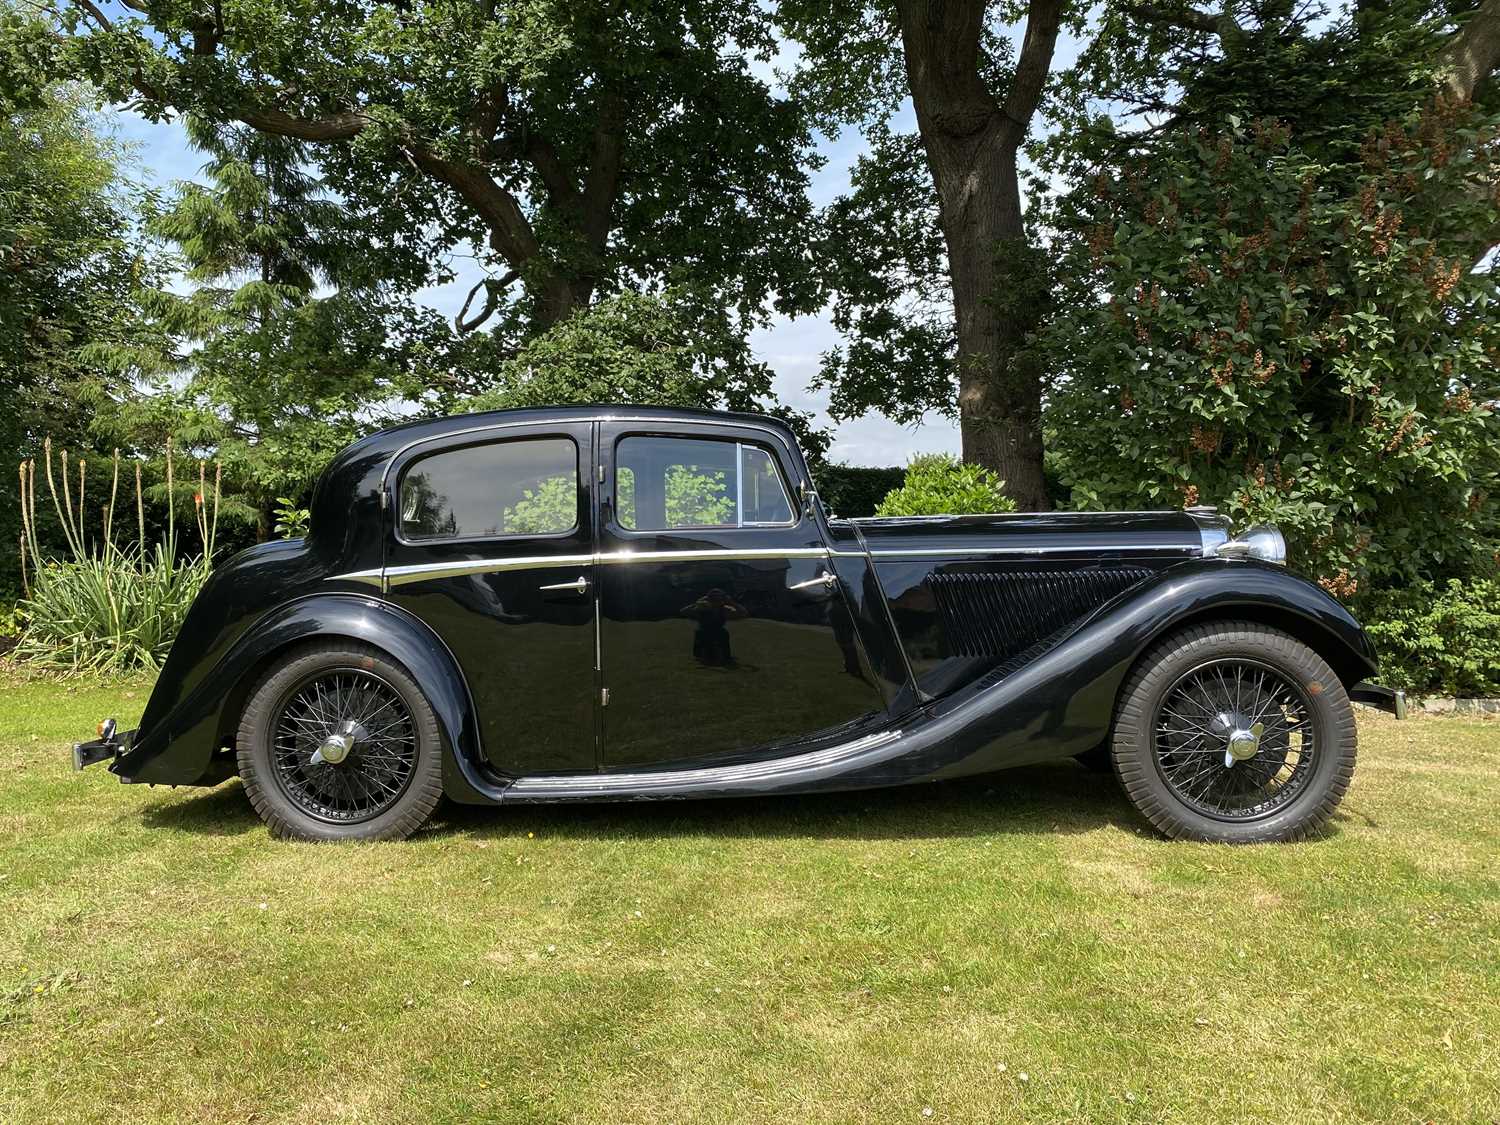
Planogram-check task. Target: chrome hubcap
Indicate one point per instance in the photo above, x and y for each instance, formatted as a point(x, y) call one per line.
point(1244, 743)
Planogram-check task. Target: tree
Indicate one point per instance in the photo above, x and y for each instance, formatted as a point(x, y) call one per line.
point(69, 262)
point(582, 147)
point(974, 99)
point(293, 339)
point(649, 350)
point(1283, 318)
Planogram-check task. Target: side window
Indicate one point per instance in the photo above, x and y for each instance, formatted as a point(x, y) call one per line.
point(665, 484)
point(524, 487)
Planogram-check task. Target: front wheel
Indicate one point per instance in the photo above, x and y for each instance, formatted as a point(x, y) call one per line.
point(337, 742)
point(1234, 732)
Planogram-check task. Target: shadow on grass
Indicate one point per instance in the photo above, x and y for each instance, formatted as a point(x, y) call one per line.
point(1060, 797)
point(224, 811)
point(1049, 799)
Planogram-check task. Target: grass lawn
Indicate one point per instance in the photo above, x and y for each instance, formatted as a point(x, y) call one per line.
point(1016, 947)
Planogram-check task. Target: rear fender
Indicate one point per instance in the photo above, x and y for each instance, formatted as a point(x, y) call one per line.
point(181, 749)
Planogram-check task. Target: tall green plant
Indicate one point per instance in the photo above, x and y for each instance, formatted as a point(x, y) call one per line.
point(107, 607)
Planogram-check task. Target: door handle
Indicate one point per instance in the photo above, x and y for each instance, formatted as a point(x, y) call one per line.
point(579, 585)
point(826, 580)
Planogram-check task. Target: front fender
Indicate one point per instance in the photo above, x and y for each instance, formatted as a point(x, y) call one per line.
point(180, 747)
point(1063, 702)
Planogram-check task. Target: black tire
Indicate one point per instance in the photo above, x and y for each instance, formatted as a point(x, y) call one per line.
point(1165, 725)
point(395, 771)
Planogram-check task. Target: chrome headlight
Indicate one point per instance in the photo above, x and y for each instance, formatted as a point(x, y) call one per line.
point(1264, 541)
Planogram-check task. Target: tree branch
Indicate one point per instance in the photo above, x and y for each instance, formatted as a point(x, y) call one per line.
point(331, 127)
point(602, 182)
point(1473, 53)
point(492, 287)
point(1221, 24)
point(511, 235)
point(1032, 68)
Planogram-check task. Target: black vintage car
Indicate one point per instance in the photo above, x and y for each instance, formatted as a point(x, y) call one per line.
point(604, 604)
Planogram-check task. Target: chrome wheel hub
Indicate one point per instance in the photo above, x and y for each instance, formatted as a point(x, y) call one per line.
point(1244, 743)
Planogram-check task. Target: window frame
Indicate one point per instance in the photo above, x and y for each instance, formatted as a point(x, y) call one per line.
point(418, 455)
point(740, 443)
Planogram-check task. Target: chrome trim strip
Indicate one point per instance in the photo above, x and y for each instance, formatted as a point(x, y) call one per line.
point(422, 572)
point(461, 568)
point(746, 554)
point(646, 781)
point(368, 577)
point(950, 552)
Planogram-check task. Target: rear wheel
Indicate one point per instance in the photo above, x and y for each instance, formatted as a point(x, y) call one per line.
point(1234, 732)
point(337, 742)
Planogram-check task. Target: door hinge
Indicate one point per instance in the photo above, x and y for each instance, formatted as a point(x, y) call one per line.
point(604, 697)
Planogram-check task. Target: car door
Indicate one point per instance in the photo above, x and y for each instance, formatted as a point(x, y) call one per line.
point(492, 546)
point(723, 633)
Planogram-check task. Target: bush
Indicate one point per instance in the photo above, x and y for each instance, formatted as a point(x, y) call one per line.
point(1439, 640)
point(853, 490)
point(113, 613)
point(107, 608)
point(939, 485)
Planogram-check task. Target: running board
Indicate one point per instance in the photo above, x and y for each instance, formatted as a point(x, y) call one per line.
point(709, 781)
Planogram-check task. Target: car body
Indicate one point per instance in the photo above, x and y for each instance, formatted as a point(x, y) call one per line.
point(616, 603)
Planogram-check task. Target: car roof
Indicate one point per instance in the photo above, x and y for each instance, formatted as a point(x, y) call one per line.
point(423, 428)
point(385, 444)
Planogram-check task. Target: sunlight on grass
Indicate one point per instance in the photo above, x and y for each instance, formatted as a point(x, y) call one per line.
point(1015, 946)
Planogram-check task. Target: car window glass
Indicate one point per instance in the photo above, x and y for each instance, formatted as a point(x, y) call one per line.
point(664, 484)
point(527, 487)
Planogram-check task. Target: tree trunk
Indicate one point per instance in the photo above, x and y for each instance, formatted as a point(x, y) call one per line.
point(972, 141)
point(1473, 53)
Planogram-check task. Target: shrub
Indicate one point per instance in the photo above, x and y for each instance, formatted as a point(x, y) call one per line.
point(854, 490)
point(1439, 640)
point(107, 608)
point(937, 484)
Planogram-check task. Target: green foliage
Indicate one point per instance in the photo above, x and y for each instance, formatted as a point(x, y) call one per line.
point(70, 260)
point(289, 345)
point(550, 507)
point(854, 490)
point(115, 612)
point(650, 350)
point(698, 498)
point(291, 520)
point(937, 484)
point(888, 268)
point(1439, 639)
point(1293, 340)
point(106, 607)
point(574, 148)
point(694, 497)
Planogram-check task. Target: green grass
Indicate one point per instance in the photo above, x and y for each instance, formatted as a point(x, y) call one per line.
point(1012, 947)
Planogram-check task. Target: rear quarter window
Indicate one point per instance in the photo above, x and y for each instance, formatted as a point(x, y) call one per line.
point(519, 487)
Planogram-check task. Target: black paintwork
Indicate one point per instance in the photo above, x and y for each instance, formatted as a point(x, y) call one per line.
point(947, 646)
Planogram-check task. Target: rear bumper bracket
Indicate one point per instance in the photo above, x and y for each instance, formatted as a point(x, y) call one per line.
point(1374, 695)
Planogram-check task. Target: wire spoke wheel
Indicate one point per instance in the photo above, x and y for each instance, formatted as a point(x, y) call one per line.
point(1234, 739)
point(343, 745)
